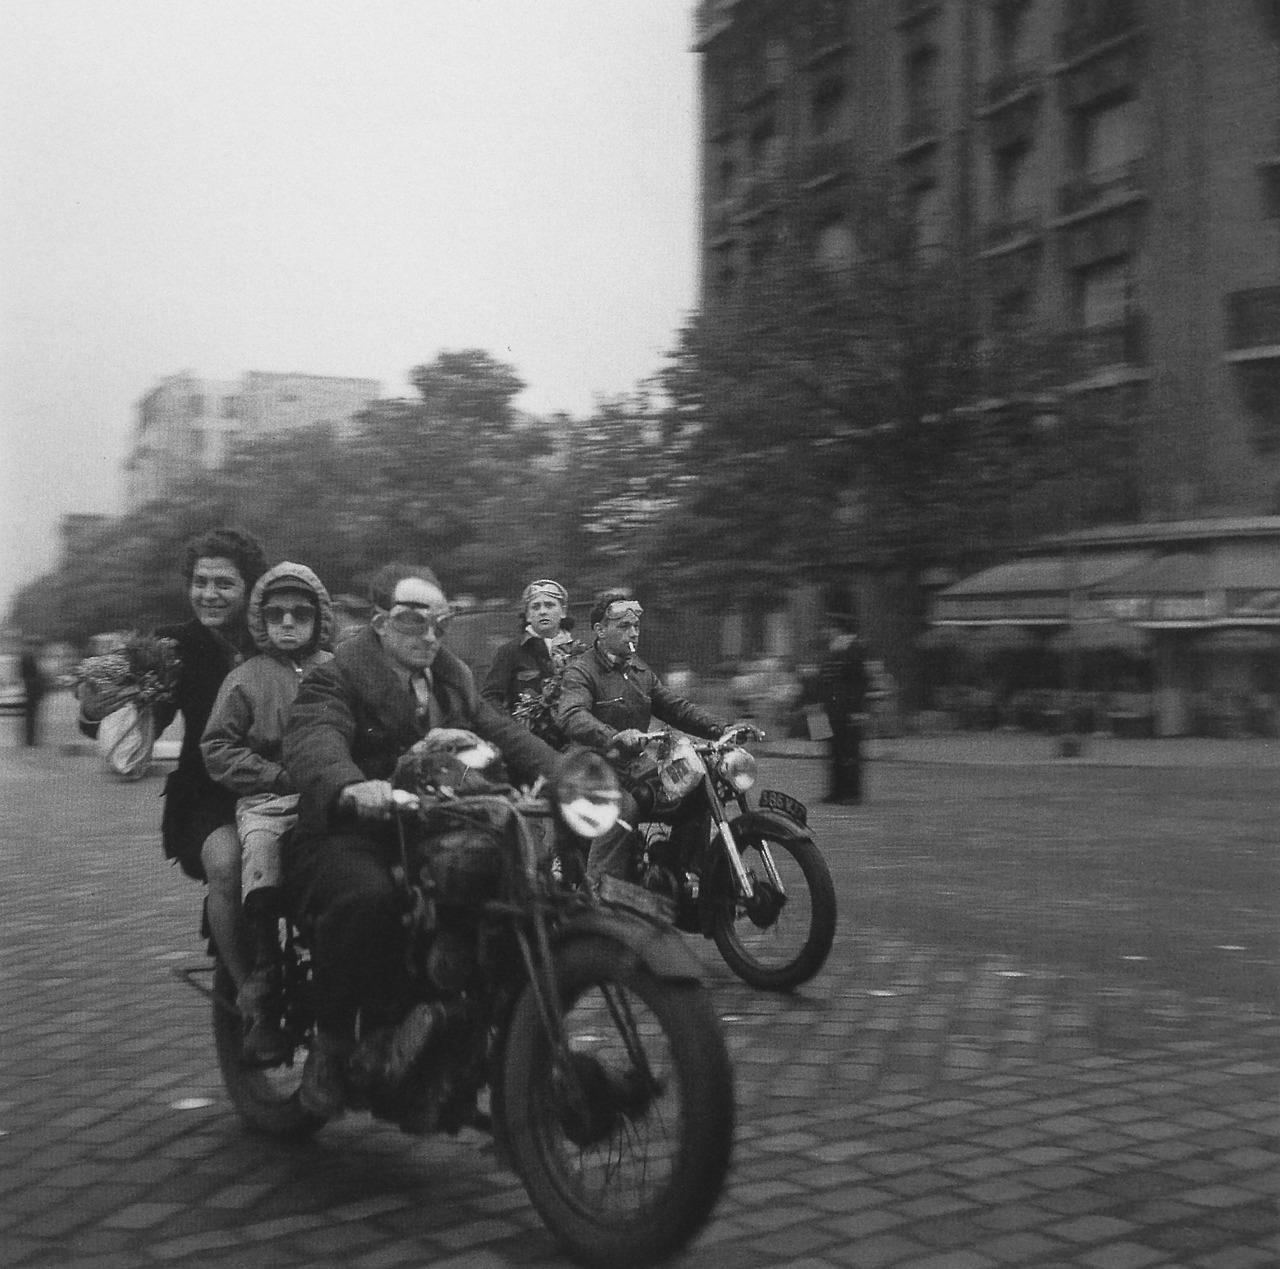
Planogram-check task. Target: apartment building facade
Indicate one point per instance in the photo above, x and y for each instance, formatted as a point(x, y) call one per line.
point(1114, 166)
point(187, 424)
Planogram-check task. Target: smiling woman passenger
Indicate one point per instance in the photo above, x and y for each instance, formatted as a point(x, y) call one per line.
point(197, 826)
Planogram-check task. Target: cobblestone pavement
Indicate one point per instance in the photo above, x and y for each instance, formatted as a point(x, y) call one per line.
point(911, 1108)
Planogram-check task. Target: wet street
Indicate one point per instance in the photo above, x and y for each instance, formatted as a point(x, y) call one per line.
point(1047, 1036)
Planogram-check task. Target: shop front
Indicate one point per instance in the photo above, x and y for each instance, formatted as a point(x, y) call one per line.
point(1178, 624)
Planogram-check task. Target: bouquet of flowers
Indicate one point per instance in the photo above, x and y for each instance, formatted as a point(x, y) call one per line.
point(537, 710)
point(142, 670)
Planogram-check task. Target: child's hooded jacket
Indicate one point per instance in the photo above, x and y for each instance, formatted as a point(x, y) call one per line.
point(243, 739)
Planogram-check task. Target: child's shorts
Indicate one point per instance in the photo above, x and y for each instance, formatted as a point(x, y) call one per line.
point(261, 820)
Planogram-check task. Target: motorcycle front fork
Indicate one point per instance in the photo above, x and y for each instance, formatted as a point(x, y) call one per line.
point(719, 817)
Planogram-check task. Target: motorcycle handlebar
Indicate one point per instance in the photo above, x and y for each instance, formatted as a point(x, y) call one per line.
point(734, 735)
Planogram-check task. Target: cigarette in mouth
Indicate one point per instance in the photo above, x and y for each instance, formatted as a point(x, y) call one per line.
point(631, 645)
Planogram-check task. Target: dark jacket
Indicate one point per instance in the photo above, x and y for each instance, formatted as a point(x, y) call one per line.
point(242, 741)
point(842, 680)
point(194, 804)
point(354, 717)
point(600, 698)
point(519, 670)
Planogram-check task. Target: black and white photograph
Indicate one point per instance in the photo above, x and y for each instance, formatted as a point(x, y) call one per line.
point(640, 632)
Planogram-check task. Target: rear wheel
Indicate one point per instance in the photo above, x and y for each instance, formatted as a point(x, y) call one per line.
point(265, 1100)
point(781, 938)
point(623, 1142)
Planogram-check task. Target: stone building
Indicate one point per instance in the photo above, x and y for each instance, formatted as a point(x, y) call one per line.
point(187, 424)
point(1114, 164)
point(1113, 167)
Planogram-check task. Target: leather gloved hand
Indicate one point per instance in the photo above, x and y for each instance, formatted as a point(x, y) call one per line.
point(368, 800)
point(629, 742)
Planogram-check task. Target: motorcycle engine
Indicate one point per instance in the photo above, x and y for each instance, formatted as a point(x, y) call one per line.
point(451, 962)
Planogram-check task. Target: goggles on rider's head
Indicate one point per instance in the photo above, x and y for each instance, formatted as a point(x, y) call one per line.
point(417, 619)
point(622, 608)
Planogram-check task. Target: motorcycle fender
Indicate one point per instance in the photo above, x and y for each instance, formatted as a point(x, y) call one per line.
point(659, 948)
point(774, 822)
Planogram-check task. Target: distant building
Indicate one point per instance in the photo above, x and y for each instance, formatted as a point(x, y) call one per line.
point(186, 424)
point(1113, 164)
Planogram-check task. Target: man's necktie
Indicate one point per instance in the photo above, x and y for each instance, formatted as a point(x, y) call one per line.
point(426, 711)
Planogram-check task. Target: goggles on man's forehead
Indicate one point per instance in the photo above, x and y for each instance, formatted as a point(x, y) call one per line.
point(623, 608)
point(418, 619)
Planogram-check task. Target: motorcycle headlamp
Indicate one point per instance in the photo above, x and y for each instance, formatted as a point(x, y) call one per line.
point(738, 766)
point(591, 816)
point(588, 794)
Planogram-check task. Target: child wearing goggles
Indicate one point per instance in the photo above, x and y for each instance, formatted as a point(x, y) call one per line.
point(290, 616)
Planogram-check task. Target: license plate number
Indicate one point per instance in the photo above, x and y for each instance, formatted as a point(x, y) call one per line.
point(772, 800)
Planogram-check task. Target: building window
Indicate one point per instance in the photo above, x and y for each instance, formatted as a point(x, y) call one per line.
point(775, 63)
point(1008, 31)
point(1103, 295)
point(763, 146)
point(1014, 310)
point(921, 83)
point(195, 404)
point(927, 219)
point(828, 107)
point(1107, 140)
point(1014, 190)
point(1110, 330)
point(836, 250)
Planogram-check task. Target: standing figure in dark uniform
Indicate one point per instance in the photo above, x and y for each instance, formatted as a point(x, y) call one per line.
point(33, 686)
point(842, 683)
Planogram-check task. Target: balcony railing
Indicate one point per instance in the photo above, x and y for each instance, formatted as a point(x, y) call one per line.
point(1010, 229)
point(1253, 318)
point(1093, 23)
point(1102, 186)
point(915, 10)
point(824, 161)
point(920, 126)
point(1009, 83)
point(1121, 343)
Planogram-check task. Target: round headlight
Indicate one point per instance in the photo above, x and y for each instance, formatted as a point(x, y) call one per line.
point(591, 816)
point(738, 766)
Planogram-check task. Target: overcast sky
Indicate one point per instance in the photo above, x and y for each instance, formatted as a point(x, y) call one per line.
point(335, 187)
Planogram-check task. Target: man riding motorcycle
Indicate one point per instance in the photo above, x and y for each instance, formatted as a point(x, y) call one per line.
point(353, 718)
point(608, 696)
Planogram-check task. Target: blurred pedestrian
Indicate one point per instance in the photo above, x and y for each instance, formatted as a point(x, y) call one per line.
point(33, 687)
point(842, 682)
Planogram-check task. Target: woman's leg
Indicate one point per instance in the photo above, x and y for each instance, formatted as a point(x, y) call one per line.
point(220, 855)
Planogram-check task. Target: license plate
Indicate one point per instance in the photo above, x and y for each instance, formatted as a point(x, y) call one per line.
point(772, 800)
point(637, 899)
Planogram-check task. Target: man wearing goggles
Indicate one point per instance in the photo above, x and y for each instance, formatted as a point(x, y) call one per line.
point(353, 718)
point(608, 697)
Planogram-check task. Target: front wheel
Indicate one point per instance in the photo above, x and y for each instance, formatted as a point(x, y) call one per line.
point(266, 1101)
point(781, 938)
point(622, 1136)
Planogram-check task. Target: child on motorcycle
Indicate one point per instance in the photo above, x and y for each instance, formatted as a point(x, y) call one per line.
point(290, 617)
